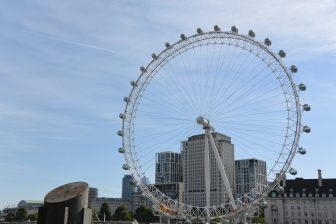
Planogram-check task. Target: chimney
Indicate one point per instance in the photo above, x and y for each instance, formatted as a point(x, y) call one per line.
point(319, 177)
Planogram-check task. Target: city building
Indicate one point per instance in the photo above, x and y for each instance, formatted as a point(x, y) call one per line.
point(138, 199)
point(113, 203)
point(304, 201)
point(93, 194)
point(168, 168)
point(250, 174)
point(193, 170)
point(127, 188)
point(31, 206)
point(174, 190)
point(6, 211)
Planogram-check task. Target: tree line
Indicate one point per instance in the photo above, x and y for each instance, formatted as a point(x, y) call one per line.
point(142, 214)
point(20, 215)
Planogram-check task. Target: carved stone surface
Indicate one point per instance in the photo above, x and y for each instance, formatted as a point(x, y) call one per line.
point(66, 204)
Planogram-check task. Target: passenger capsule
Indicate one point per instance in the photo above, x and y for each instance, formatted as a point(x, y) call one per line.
point(183, 37)
point(302, 87)
point(121, 150)
point(199, 31)
point(167, 44)
point(234, 29)
point(143, 69)
point(306, 129)
point(292, 171)
point(280, 189)
point(282, 53)
point(294, 69)
point(263, 204)
point(251, 33)
point(125, 167)
point(216, 28)
point(133, 83)
point(122, 116)
point(306, 107)
point(154, 56)
point(302, 151)
point(126, 99)
point(120, 133)
point(268, 42)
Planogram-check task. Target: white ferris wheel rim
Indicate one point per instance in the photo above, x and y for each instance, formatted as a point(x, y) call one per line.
point(246, 42)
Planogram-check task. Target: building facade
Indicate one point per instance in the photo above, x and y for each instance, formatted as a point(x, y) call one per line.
point(193, 170)
point(168, 168)
point(30, 205)
point(93, 194)
point(127, 187)
point(174, 191)
point(138, 199)
point(304, 201)
point(250, 174)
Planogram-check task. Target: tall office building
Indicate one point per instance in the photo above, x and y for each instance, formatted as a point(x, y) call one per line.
point(127, 188)
point(93, 194)
point(250, 174)
point(194, 174)
point(168, 168)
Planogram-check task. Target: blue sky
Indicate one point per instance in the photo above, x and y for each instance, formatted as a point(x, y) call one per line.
point(66, 65)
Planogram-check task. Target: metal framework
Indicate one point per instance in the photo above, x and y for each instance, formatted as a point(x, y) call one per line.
point(175, 209)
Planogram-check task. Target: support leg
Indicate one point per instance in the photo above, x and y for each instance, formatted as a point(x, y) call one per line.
point(207, 176)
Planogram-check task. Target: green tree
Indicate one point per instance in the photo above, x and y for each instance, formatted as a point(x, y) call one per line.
point(131, 214)
point(145, 215)
point(105, 209)
point(94, 215)
point(21, 215)
point(260, 218)
point(10, 217)
point(121, 214)
point(32, 217)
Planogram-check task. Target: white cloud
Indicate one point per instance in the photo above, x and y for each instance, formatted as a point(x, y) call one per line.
point(301, 26)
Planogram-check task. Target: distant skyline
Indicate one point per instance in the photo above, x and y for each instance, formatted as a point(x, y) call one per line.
point(65, 67)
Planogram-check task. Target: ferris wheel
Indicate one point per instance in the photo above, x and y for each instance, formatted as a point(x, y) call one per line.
point(234, 97)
